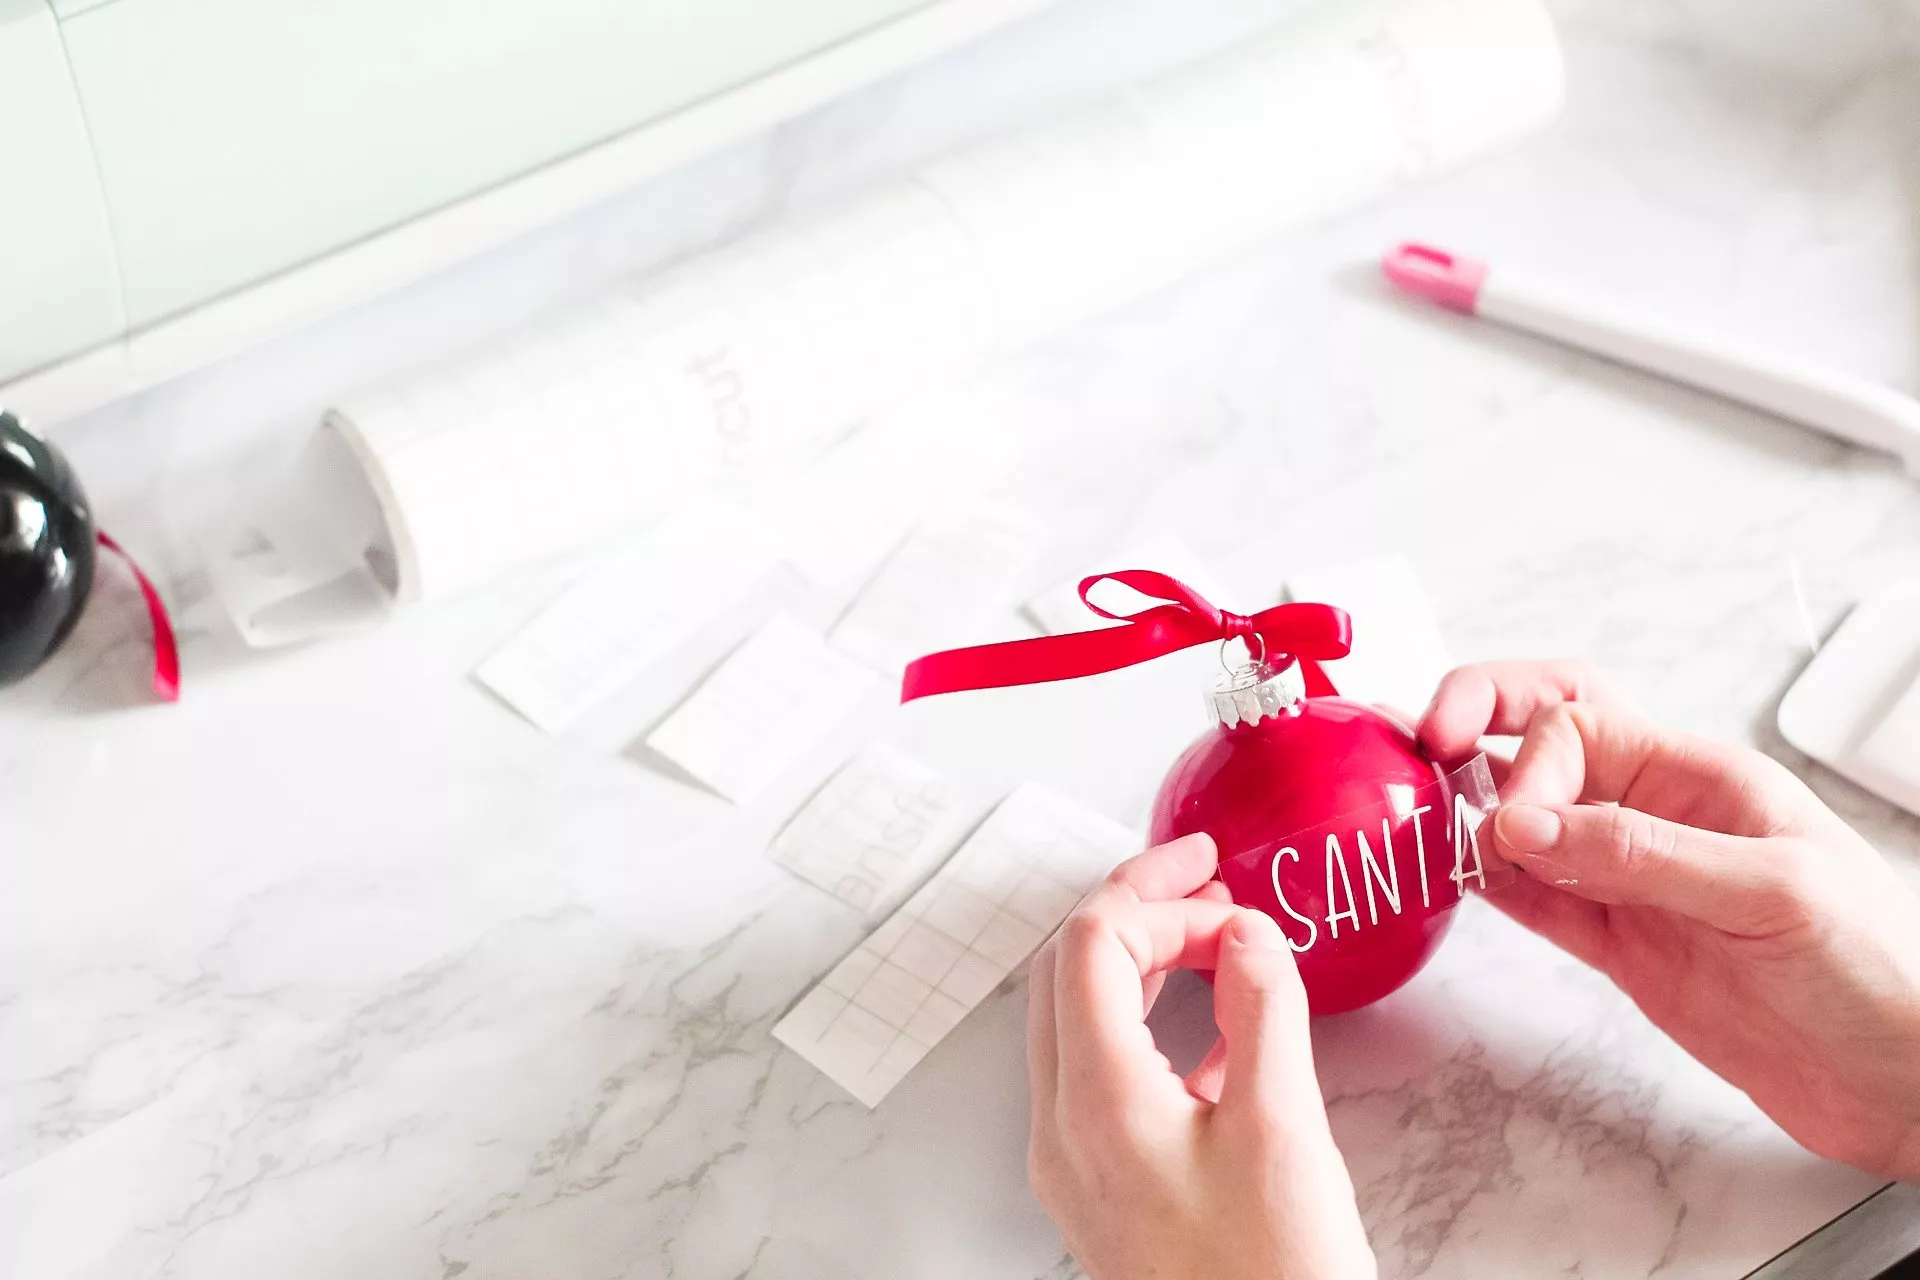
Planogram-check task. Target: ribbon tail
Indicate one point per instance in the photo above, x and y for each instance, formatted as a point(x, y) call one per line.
point(1319, 685)
point(1046, 659)
point(166, 649)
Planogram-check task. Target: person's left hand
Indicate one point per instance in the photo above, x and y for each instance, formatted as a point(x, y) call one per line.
point(1227, 1174)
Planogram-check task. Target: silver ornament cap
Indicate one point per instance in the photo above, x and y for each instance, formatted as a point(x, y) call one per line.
point(1256, 691)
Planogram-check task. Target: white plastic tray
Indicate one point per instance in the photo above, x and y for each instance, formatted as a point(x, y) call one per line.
point(1838, 711)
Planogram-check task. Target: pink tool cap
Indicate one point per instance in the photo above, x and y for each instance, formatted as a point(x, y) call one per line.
point(1449, 279)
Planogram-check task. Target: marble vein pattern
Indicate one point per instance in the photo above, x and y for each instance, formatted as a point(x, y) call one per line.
point(339, 969)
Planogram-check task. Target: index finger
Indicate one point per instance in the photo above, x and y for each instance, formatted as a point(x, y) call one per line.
point(1172, 870)
point(1502, 698)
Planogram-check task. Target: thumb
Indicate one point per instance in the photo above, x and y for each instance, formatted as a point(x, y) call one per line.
point(1612, 854)
point(1261, 1009)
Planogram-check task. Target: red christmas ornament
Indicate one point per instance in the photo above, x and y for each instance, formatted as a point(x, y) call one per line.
point(1281, 768)
point(1325, 813)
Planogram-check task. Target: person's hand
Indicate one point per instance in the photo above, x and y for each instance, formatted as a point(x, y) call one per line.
point(1741, 915)
point(1227, 1174)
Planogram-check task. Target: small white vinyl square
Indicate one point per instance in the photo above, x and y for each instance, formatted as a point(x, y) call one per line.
point(762, 710)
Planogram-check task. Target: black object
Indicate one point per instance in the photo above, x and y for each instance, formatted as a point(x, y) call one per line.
point(1877, 1239)
point(46, 549)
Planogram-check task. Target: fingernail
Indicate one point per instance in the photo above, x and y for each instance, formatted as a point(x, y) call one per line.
point(1527, 828)
point(1257, 931)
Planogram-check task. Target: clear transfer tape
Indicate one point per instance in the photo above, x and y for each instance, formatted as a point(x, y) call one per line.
point(1341, 888)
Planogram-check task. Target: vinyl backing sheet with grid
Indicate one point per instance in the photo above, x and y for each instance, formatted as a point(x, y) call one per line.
point(884, 1007)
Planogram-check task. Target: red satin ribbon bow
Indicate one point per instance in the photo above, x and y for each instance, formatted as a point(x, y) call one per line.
point(1308, 633)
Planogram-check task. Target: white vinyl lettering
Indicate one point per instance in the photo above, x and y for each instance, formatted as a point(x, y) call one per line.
point(1420, 851)
point(1337, 860)
point(1465, 837)
point(1370, 871)
point(1313, 930)
point(1380, 870)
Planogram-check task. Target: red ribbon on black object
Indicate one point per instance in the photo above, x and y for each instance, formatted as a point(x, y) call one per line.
point(166, 651)
point(1308, 633)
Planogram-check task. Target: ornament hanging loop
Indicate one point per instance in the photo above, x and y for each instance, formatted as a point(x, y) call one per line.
point(1256, 656)
point(1234, 626)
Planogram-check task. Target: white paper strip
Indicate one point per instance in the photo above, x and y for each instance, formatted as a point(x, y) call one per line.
point(939, 588)
point(1398, 654)
point(1058, 610)
point(870, 827)
point(762, 710)
point(627, 613)
point(900, 992)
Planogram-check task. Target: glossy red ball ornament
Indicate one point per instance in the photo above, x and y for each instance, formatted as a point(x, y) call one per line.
point(1276, 766)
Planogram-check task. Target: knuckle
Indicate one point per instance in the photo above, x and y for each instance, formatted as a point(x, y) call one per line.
point(1117, 893)
point(1463, 687)
point(1563, 719)
point(1765, 785)
point(1565, 729)
point(1636, 841)
point(1268, 973)
point(1784, 889)
point(1742, 764)
point(1119, 882)
point(1778, 797)
point(1766, 769)
point(1269, 997)
point(1452, 682)
point(1245, 991)
point(1085, 926)
point(1584, 681)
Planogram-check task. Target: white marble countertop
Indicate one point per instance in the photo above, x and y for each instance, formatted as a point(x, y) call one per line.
point(339, 969)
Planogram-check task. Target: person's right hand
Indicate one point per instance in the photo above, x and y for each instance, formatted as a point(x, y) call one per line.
point(1742, 916)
